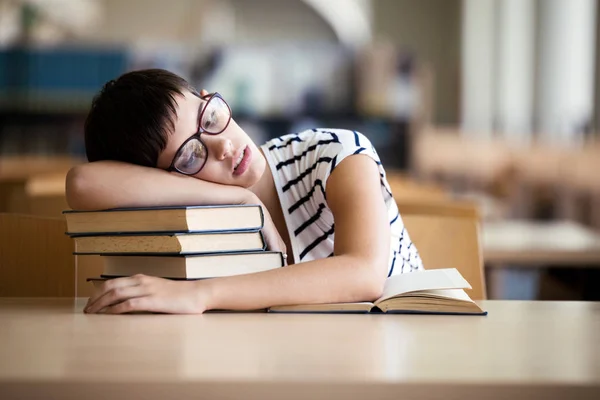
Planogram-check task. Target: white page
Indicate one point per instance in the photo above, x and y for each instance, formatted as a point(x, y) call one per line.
point(457, 294)
point(431, 279)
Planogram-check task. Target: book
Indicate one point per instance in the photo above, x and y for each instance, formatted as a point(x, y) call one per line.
point(436, 291)
point(192, 266)
point(234, 218)
point(170, 243)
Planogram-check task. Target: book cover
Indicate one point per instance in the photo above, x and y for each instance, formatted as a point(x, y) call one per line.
point(165, 219)
point(169, 243)
point(192, 265)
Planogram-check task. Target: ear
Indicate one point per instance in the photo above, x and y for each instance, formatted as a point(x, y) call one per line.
point(203, 93)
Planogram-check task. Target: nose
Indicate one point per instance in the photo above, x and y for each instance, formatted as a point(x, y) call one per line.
point(220, 146)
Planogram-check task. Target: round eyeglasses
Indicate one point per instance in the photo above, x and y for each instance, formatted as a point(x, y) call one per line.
point(213, 119)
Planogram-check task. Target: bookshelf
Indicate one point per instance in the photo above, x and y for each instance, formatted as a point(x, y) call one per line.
point(45, 93)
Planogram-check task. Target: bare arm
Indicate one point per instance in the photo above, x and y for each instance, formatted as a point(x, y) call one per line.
point(357, 272)
point(110, 184)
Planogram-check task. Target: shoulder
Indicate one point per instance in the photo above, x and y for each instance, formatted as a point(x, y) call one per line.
point(318, 151)
point(343, 143)
point(307, 137)
point(339, 139)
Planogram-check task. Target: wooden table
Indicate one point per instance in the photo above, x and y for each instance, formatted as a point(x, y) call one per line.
point(539, 244)
point(550, 350)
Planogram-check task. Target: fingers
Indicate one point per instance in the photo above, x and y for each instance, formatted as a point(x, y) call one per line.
point(283, 248)
point(274, 241)
point(130, 305)
point(272, 236)
point(116, 291)
point(116, 296)
point(115, 283)
point(273, 245)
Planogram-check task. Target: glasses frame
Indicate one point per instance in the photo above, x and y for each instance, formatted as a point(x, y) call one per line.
point(196, 136)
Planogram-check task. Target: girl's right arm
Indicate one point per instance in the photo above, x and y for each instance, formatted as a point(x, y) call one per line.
point(110, 184)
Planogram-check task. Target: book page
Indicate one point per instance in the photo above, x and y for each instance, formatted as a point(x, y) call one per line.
point(431, 279)
point(455, 294)
point(324, 308)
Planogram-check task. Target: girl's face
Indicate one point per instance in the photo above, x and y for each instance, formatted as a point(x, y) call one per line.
point(232, 158)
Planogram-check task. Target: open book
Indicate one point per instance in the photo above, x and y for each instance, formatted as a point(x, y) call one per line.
point(436, 291)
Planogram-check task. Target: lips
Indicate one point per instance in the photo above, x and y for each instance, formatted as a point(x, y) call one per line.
point(244, 163)
point(239, 159)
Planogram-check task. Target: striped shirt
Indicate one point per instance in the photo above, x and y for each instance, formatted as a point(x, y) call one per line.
point(301, 164)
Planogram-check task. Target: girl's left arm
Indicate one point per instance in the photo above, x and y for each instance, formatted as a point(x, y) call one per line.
point(356, 272)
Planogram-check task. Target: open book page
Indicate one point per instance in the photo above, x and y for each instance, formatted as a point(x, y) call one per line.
point(454, 294)
point(362, 307)
point(433, 279)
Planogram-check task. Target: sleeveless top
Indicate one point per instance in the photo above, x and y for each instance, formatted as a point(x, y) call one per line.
point(301, 164)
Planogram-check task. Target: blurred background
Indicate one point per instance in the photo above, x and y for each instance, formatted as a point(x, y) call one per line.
point(496, 102)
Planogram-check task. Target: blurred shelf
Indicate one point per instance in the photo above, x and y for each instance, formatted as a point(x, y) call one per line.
point(69, 102)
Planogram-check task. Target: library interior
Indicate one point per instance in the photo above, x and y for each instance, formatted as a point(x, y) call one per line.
point(483, 117)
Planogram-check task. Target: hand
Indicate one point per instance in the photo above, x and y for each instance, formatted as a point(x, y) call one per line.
point(148, 293)
point(271, 234)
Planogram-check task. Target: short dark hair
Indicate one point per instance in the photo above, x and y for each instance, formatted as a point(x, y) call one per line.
point(131, 117)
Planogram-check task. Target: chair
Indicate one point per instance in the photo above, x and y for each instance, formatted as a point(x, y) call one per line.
point(446, 233)
point(404, 187)
point(448, 155)
point(36, 259)
point(15, 171)
point(46, 194)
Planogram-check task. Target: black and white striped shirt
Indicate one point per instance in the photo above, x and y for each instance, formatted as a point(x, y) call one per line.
point(301, 164)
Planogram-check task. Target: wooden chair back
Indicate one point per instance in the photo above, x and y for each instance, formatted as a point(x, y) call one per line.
point(405, 188)
point(450, 154)
point(36, 259)
point(46, 194)
point(17, 171)
point(447, 235)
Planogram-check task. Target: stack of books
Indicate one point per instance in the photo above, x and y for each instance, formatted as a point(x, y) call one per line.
point(199, 242)
point(187, 242)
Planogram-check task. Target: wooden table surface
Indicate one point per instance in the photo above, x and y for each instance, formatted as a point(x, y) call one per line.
point(539, 244)
point(50, 349)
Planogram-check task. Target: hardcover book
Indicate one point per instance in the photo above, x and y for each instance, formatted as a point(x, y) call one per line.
point(205, 219)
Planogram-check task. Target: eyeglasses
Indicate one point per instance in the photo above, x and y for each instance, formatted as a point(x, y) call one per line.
point(214, 118)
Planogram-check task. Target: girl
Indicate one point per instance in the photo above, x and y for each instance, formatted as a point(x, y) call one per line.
point(152, 140)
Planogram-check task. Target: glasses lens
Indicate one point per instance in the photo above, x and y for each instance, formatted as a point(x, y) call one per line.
point(191, 158)
point(216, 116)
